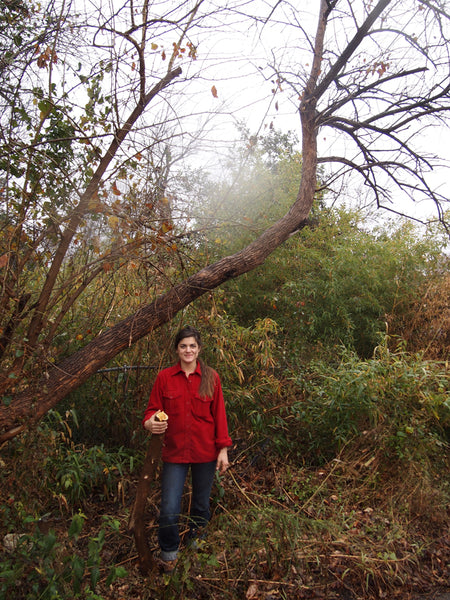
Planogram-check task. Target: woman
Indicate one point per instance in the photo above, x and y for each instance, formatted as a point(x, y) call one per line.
point(196, 437)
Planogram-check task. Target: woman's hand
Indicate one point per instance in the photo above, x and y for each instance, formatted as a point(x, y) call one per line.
point(222, 461)
point(154, 426)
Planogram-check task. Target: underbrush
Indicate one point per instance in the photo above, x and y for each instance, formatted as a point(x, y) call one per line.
point(279, 530)
point(339, 488)
point(53, 497)
point(53, 566)
point(48, 469)
point(398, 401)
point(286, 532)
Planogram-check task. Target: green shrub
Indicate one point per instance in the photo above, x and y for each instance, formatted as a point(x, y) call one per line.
point(110, 405)
point(41, 566)
point(246, 359)
point(335, 284)
point(398, 398)
point(402, 398)
point(81, 471)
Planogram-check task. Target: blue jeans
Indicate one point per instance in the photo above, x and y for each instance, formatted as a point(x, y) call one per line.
point(173, 479)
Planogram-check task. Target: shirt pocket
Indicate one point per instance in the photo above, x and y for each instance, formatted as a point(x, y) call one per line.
point(173, 402)
point(201, 407)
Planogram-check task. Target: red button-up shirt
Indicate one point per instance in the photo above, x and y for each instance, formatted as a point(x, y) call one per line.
point(197, 427)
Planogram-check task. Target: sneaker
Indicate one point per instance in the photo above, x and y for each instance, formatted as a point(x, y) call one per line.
point(167, 566)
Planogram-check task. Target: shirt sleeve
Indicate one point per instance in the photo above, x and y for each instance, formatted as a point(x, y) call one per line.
point(222, 438)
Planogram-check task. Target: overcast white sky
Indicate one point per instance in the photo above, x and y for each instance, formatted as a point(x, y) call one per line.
point(234, 54)
point(244, 89)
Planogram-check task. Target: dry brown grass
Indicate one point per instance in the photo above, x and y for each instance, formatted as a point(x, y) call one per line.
point(428, 330)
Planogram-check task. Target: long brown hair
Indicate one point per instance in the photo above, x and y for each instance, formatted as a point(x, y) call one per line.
point(208, 381)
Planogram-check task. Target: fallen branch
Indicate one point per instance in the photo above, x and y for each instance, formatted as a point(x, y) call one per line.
point(136, 524)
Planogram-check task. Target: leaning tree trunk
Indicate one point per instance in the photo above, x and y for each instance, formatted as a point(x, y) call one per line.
point(31, 404)
point(59, 380)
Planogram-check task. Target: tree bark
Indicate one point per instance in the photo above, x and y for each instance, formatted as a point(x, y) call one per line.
point(136, 523)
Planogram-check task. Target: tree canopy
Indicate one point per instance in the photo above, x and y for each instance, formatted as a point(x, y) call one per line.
point(97, 110)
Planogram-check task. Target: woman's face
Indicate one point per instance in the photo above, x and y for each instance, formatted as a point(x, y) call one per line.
point(188, 351)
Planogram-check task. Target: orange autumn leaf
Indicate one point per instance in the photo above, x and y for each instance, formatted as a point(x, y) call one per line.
point(214, 91)
point(165, 227)
point(115, 189)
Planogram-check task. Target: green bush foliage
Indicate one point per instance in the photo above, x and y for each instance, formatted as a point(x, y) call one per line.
point(399, 403)
point(74, 472)
point(80, 471)
point(51, 567)
point(110, 406)
point(337, 284)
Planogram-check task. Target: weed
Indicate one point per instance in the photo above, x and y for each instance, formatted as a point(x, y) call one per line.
point(80, 471)
point(43, 566)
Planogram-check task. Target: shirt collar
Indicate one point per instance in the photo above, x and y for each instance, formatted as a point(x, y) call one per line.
point(198, 368)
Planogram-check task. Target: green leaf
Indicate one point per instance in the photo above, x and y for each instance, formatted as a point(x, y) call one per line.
point(78, 568)
point(76, 525)
point(95, 576)
point(44, 106)
point(115, 573)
